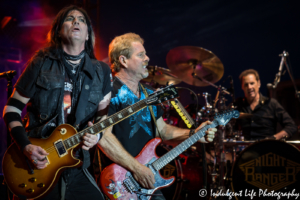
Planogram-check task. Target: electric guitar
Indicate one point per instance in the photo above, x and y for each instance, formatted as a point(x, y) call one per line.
point(118, 183)
point(25, 181)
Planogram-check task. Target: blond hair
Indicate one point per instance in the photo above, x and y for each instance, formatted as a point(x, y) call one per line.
point(121, 45)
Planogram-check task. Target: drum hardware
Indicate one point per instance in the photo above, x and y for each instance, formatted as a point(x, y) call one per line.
point(207, 102)
point(161, 76)
point(186, 60)
point(200, 67)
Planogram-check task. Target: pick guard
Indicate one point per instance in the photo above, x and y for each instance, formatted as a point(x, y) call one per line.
point(113, 177)
point(159, 182)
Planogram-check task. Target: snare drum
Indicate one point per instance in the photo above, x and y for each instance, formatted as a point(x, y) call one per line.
point(265, 166)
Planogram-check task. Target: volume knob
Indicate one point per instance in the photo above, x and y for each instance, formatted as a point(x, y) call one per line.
point(30, 190)
point(41, 185)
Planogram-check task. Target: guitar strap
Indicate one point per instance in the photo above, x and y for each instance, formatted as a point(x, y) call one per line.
point(151, 111)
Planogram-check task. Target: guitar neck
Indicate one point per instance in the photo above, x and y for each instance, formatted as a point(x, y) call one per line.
point(183, 113)
point(102, 125)
point(171, 155)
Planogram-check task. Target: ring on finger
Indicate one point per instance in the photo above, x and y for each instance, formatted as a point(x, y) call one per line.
point(34, 161)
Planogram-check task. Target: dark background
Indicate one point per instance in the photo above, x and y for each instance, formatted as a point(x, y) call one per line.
point(243, 34)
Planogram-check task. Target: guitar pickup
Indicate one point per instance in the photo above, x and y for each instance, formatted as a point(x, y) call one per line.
point(60, 148)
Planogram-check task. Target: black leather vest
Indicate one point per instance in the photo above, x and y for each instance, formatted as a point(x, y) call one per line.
point(45, 106)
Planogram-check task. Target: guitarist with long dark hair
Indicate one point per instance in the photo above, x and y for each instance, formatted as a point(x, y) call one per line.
point(62, 84)
point(125, 140)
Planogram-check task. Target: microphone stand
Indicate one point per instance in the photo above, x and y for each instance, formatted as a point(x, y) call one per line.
point(297, 93)
point(279, 74)
point(273, 86)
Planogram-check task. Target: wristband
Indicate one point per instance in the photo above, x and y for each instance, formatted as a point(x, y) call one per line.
point(18, 133)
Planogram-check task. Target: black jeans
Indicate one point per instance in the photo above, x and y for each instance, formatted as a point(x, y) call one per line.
point(78, 187)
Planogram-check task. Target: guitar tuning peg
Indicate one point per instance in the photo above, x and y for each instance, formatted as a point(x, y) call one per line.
point(168, 103)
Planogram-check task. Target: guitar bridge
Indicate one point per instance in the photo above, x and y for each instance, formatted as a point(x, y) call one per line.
point(128, 185)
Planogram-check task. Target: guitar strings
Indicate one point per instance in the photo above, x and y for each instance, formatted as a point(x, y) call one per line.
point(138, 104)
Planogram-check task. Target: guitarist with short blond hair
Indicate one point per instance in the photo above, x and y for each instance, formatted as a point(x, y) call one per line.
point(122, 142)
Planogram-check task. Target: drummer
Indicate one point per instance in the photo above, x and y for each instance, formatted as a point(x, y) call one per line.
point(266, 113)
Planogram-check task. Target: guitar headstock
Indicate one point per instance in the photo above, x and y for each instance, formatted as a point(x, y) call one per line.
point(165, 94)
point(224, 117)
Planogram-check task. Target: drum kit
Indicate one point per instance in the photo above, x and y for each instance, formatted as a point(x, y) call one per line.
point(222, 164)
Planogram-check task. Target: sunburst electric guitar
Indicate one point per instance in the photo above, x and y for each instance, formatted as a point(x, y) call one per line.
point(118, 183)
point(24, 180)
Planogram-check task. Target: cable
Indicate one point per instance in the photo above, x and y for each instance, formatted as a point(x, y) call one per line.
point(193, 93)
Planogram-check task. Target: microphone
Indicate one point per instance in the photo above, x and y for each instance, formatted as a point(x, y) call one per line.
point(8, 74)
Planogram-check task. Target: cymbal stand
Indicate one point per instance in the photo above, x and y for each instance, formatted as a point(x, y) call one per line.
point(222, 91)
point(207, 103)
point(206, 111)
point(222, 133)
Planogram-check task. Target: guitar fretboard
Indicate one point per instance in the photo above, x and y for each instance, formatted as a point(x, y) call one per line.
point(171, 155)
point(102, 125)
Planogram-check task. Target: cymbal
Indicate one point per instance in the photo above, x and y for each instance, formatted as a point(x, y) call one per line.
point(161, 76)
point(245, 115)
point(208, 66)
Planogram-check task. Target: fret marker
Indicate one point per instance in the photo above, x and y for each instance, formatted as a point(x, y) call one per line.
point(130, 110)
point(120, 116)
point(77, 138)
point(110, 120)
point(102, 125)
point(92, 131)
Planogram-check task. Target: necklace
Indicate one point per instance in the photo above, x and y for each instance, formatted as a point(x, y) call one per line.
point(74, 58)
point(74, 65)
point(137, 90)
